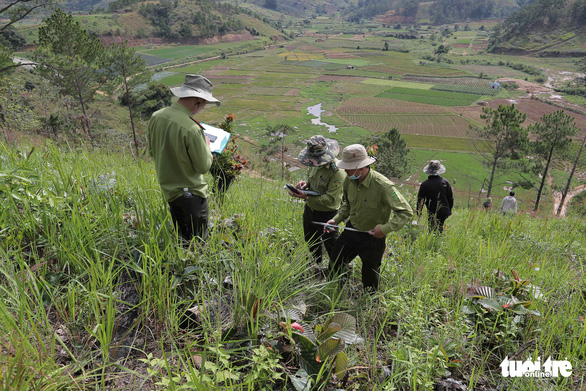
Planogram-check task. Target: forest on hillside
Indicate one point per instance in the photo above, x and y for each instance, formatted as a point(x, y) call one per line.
point(439, 12)
point(541, 15)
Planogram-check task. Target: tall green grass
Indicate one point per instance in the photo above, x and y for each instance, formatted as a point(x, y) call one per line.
point(77, 228)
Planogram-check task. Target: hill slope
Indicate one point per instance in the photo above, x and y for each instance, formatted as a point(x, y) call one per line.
point(180, 21)
point(91, 265)
point(544, 28)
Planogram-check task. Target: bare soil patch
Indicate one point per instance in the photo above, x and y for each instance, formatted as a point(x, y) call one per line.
point(533, 104)
point(557, 196)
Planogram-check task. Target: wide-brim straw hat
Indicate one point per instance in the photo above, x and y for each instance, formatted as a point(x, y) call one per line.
point(196, 86)
point(354, 156)
point(434, 167)
point(319, 151)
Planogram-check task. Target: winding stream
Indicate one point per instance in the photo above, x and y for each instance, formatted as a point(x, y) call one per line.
point(316, 111)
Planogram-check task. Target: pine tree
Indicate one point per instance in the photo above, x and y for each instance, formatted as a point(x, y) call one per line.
point(391, 152)
point(553, 135)
point(501, 139)
point(72, 60)
point(127, 70)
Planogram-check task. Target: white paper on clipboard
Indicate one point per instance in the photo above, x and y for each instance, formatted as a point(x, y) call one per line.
point(218, 137)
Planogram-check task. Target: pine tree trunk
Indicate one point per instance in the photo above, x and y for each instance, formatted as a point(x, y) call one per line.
point(489, 190)
point(567, 189)
point(544, 177)
point(130, 111)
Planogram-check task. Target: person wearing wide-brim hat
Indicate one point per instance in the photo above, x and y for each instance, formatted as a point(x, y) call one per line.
point(325, 178)
point(372, 205)
point(436, 194)
point(182, 155)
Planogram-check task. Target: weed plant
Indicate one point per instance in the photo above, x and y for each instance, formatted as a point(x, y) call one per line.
point(97, 292)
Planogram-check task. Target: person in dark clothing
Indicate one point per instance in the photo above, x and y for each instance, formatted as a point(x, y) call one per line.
point(436, 194)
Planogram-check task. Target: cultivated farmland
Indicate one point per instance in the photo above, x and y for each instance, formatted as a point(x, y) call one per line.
point(384, 90)
point(379, 115)
point(441, 98)
point(461, 81)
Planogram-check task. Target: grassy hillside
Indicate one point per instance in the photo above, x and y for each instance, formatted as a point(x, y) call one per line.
point(96, 290)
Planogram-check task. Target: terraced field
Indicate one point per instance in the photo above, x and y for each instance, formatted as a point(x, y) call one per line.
point(379, 114)
point(441, 98)
point(387, 106)
point(446, 125)
point(462, 81)
point(479, 91)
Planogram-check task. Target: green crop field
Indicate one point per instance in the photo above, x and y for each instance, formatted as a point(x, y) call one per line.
point(178, 52)
point(373, 105)
point(464, 81)
point(153, 60)
point(398, 84)
point(321, 64)
point(440, 98)
point(479, 91)
point(428, 125)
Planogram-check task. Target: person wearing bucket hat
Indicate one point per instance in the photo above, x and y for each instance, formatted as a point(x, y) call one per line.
point(324, 177)
point(372, 205)
point(436, 194)
point(182, 155)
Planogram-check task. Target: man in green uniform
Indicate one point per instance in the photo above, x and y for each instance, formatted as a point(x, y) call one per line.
point(374, 208)
point(182, 156)
point(325, 178)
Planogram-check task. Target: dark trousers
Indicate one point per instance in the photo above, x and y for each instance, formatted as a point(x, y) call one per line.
point(190, 215)
point(370, 249)
point(436, 222)
point(314, 234)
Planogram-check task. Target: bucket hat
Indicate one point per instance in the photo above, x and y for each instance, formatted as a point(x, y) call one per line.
point(196, 86)
point(355, 156)
point(319, 151)
point(434, 167)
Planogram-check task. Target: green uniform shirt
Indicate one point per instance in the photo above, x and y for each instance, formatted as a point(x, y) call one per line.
point(326, 179)
point(179, 149)
point(370, 204)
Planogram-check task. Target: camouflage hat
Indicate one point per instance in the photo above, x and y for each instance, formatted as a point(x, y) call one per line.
point(319, 151)
point(434, 167)
point(354, 156)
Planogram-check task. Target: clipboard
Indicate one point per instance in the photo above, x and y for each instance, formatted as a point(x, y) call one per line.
point(218, 137)
point(295, 190)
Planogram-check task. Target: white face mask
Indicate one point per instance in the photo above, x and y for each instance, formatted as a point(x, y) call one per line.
point(354, 177)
